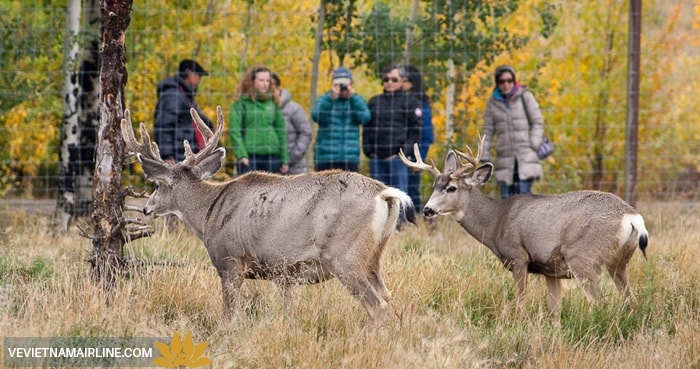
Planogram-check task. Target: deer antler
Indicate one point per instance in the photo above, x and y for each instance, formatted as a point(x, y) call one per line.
point(418, 164)
point(144, 147)
point(211, 139)
point(469, 156)
point(474, 160)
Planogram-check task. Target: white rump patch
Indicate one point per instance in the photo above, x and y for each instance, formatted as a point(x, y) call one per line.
point(381, 212)
point(630, 222)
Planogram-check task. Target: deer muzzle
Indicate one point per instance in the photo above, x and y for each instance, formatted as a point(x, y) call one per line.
point(430, 212)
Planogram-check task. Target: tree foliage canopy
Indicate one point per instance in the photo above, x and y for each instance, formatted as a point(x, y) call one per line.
point(573, 55)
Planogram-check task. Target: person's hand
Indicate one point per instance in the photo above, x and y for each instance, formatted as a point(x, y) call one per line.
point(337, 93)
point(284, 169)
point(244, 161)
point(347, 93)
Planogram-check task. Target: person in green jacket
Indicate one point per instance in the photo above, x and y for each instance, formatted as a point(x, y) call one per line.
point(258, 131)
point(339, 113)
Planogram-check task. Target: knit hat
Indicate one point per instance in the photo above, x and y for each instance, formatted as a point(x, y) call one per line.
point(503, 69)
point(342, 75)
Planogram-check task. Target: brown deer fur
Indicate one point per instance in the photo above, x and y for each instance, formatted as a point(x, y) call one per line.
point(570, 235)
point(305, 228)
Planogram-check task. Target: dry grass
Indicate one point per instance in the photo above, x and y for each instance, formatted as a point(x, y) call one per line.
point(454, 304)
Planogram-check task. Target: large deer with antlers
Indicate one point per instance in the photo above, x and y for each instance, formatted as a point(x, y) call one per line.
point(570, 235)
point(289, 229)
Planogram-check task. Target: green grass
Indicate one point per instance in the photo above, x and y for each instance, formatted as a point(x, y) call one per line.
point(454, 304)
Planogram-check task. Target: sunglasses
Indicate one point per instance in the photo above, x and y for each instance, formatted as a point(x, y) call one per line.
point(392, 79)
point(504, 81)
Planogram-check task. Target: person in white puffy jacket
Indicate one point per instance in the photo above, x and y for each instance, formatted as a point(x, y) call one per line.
point(514, 120)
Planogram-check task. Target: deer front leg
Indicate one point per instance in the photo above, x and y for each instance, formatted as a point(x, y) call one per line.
point(230, 288)
point(519, 269)
point(554, 299)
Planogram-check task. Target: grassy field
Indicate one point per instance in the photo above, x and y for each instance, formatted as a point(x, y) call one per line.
point(454, 303)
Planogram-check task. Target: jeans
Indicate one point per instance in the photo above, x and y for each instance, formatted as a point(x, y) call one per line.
point(269, 163)
point(414, 188)
point(392, 171)
point(519, 186)
point(522, 186)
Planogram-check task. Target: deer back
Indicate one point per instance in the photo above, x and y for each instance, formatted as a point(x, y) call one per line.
point(273, 217)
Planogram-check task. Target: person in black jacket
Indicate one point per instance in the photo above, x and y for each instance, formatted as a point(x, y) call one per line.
point(395, 124)
point(173, 121)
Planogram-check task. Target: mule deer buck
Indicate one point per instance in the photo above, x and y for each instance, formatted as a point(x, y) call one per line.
point(290, 229)
point(570, 235)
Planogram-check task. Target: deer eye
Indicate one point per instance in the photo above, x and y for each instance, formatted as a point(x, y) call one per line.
point(451, 189)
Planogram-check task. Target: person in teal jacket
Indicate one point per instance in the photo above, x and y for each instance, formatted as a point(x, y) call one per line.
point(258, 131)
point(339, 113)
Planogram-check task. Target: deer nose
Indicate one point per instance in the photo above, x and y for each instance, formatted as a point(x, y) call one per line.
point(429, 212)
point(147, 211)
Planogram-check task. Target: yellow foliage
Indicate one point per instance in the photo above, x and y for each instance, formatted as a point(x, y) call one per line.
point(578, 75)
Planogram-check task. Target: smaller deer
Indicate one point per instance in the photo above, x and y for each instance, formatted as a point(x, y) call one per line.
point(570, 235)
point(289, 229)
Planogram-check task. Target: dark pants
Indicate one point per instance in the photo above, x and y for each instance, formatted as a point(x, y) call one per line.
point(414, 180)
point(342, 165)
point(392, 171)
point(519, 186)
point(268, 163)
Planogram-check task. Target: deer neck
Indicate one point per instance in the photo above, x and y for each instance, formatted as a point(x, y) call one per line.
point(480, 217)
point(194, 203)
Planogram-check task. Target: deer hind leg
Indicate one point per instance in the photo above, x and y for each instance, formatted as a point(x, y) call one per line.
point(360, 287)
point(554, 298)
point(588, 276)
point(375, 278)
point(621, 279)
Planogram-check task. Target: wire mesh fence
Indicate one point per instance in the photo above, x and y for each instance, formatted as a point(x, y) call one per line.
point(573, 60)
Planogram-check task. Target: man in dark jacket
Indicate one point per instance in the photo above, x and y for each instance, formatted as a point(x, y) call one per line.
point(173, 122)
point(395, 124)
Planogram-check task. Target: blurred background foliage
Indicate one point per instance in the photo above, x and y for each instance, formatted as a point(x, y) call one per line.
point(572, 54)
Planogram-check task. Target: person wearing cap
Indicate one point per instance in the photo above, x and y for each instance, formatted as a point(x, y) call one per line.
point(258, 131)
point(173, 121)
point(396, 123)
point(339, 113)
point(513, 118)
point(299, 129)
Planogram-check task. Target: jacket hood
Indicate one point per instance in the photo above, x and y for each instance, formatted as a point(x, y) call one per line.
point(285, 97)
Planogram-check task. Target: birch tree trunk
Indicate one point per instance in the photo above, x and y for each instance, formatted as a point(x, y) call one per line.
point(81, 94)
point(108, 242)
point(409, 33)
point(317, 53)
point(450, 103)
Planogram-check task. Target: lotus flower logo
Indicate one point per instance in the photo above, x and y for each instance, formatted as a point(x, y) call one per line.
point(181, 353)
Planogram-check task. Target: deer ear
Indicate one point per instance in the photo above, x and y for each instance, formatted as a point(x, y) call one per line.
point(155, 170)
point(481, 175)
point(208, 166)
point(450, 162)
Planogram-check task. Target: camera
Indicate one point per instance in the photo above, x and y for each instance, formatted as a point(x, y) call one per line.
point(343, 87)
